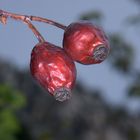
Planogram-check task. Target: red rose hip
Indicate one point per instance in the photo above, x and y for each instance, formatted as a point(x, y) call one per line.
point(86, 43)
point(53, 69)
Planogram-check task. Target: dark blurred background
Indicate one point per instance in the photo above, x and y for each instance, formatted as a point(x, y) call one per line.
point(105, 111)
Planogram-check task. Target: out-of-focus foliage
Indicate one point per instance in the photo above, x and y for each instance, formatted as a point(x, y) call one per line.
point(11, 98)
point(95, 16)
point(85, 117)
point(133, 20)
point(9, 125)
point(134, 88)
point(137, 1)
point(10, 101)
point(121, 55)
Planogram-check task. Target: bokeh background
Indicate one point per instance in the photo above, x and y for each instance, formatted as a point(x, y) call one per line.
point(106, 99)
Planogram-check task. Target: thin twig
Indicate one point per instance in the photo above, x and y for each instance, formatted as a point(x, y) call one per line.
point(4, 15)
point(34, 30)
point(48, 21)
point(34, 18)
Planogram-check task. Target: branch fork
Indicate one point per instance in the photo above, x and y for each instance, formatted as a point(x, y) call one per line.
point(27, 20)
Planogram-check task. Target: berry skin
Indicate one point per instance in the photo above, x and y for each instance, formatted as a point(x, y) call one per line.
point(86, 43)
point(53, 69)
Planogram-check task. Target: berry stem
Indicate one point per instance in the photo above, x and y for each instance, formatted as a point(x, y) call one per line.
point(4, 15)
point(34, 30)
point(48, 21)
point(33, 18)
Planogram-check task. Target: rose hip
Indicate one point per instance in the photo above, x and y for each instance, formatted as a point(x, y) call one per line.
point(53, 69)
point(86, 43)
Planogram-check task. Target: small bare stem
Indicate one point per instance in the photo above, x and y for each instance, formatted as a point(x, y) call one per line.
point(33, 18)
point(26, 20)
point(34, 30)
point(48, 21)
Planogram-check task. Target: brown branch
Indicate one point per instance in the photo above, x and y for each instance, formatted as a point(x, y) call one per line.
point(34, 30)
point(4, 15)
point(33, 18)
point(48, 21)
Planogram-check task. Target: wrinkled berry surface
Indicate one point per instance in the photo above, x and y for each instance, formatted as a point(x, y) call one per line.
point(86, 43)
point(53, 69)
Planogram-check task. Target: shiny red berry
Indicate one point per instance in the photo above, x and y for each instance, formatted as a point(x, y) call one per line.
point(86, 43)
point(53, 69)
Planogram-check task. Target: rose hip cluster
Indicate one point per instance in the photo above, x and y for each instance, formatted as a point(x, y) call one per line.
point(52, 66)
